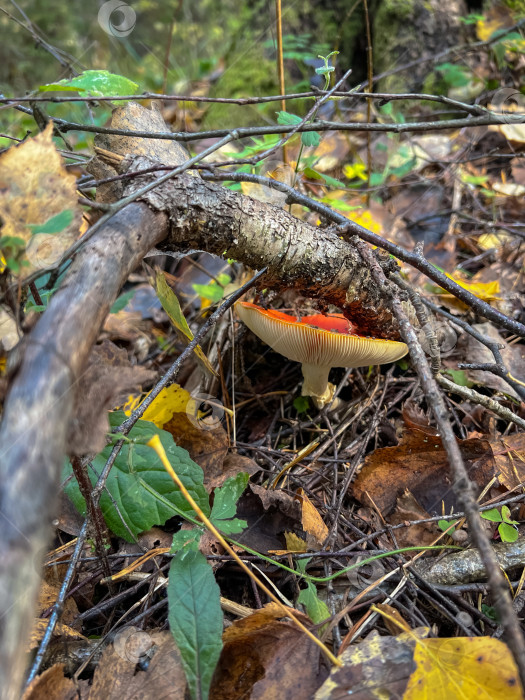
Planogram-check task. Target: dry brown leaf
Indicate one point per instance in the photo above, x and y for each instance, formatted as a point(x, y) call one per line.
point(51, 685)
point(311, 520)
point(261, 657)
point(269, 515)
point(61, 630)
point(418, 534)
point(116, 677)
point(420, 464)
point(125, 325)
point(394, 621)
point(513, 357)
point(376, 666)
point(234, 464)
point(35, 187)
point(208, 448)
point(47, 597)
point(107, 379)
point(509, 456)
point(415, 419)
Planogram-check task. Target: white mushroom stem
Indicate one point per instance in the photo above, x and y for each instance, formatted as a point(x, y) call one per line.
point(316, 384)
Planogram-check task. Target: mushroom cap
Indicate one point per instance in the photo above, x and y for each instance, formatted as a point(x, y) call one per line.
point(326, 340)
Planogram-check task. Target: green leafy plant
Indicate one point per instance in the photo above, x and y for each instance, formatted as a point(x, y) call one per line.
point(11, 250)
point(122, 301)
point(301, 404)
point(507, 527)
point(472, 18)
point(310, 138)
point(316, 609)
point(140, 494)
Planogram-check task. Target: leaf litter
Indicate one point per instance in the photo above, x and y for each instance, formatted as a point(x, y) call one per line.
point(402, 483)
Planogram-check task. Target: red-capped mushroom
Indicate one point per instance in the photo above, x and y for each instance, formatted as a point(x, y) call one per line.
point(319, 343)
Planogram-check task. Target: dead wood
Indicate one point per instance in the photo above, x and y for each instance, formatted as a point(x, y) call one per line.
point(37, 413)
point(316, 261)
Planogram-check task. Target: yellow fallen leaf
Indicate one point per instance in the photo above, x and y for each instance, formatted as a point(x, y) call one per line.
point(493, 240)
point(173, 399)
point(463, 668)
point(294, 543)
point(485, 28)
point(487, 291)
point(356, 170)
point(459, 668)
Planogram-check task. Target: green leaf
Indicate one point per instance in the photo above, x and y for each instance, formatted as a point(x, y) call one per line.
point(459, 377)
point(225, 504)
point(301, 404)
point(445, 524)
point(212, 291)
point(402, 170)
point(195, 619)
point(317, 609)
point(97, 83)
point(324, 70)
point(226, 497)
point(454, 75)
point(473, 179)
point(186, 539)
point(140, 486)
point(122, 301)
point(493, 515)
point(472, 18)
point(489, 611)
point(376, 179)
point(505, 514)
point(288, 119)
point(310, 138)
point(333, 182)
point(12, 242)
point(313, 174)
point(508, 533)
point(55, 224)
